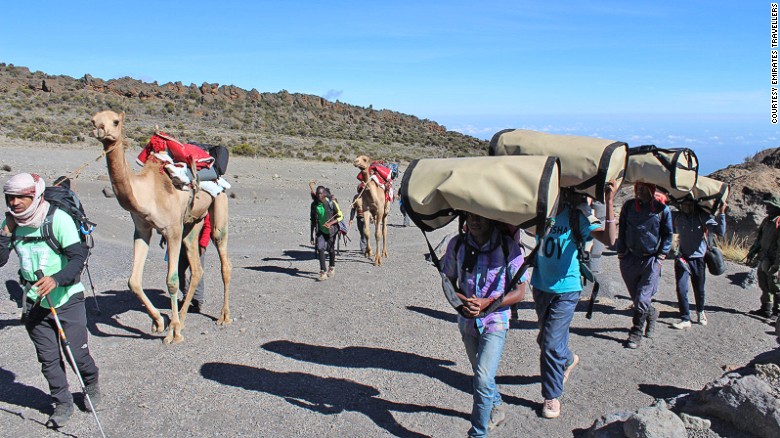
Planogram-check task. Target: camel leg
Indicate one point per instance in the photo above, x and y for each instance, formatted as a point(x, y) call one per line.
point(143, 235)
point(378, 235)
point(384, 236)
point(173, 237)
point(367, 231)
point(219, 235)
point(190, 242)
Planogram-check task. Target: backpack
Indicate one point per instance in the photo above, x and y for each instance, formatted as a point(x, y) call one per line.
point(394, 171)
point(220, 154)
point(61, 197)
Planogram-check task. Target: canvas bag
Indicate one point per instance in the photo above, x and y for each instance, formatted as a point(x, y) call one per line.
point(708, 193)
point(587, 163)
point(669, 169)
point(517, 190)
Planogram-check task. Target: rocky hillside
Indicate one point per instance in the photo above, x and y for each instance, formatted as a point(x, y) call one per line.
point(41, 107)
point(750, 183)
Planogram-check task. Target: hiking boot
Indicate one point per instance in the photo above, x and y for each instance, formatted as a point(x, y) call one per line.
point(61, 415)
point(552, 408)
point(702, 318)
point(567, 371)
point(763, 313)
point(323, 276)
point(331, 272)
point(93, 391)
point(634, 341)
point(651, 320)
point(683, 324)
point(497, 416)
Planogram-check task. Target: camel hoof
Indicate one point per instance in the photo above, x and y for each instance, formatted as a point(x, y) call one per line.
point(224, 321)
point(158, 326)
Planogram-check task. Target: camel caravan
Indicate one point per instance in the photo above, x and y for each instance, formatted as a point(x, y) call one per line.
point(517, 184)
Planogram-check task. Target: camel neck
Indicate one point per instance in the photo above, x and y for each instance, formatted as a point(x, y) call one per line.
point(120, 175)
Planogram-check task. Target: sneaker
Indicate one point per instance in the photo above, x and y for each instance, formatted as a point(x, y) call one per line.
point(702, 318)
point(497, 416)
point(323, 276)
point(552, 408)
point(61, 415)
point(194, 306)
point(568, 369)
point(634, 340)
point(331, 272)
point(93, 391)
point(683, 324)
point(632, 345)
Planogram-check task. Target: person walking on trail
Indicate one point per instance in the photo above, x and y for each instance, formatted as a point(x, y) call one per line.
point(47, 273)
point(481, 263)
point(403, 212)
point(326, 215)
point(557, 285)
point(357, 211)
point(765, 251)
point(644, 238)
point(198, 299)
point(693, 227)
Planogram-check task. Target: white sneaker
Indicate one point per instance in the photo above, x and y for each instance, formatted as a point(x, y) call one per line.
point(683, 324)
point(702, 318)
point(222, 183)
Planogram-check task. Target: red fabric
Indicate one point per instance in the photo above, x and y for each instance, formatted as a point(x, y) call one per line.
point(180, 153)
point(383, 172)
point(205, 233)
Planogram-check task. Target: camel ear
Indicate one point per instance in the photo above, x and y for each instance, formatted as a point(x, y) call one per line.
point(122, 117)
point(156, 129)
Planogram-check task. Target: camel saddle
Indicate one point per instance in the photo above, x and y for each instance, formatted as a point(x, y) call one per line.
point(180, 153)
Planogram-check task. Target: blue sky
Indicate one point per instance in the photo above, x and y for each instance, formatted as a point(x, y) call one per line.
point(670, 73)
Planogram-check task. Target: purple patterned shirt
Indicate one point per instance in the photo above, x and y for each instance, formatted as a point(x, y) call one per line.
point(487, 280)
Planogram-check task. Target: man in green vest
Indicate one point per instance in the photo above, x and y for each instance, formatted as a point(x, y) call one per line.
point(764, 252)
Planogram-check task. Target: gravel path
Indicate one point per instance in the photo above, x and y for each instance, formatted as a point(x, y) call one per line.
point(371, 352)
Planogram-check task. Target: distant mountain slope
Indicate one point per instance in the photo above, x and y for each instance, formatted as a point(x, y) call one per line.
point(39, 106)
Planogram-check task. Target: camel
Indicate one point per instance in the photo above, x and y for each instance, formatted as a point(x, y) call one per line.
point(374, 205)
point(155, 204)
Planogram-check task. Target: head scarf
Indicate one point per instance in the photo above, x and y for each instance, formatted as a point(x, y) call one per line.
point(26, 184)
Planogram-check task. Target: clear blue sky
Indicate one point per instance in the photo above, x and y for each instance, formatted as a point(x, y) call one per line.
point(672, 73)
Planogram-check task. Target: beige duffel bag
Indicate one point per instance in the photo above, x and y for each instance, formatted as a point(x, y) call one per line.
point(709, 193)
point(587, 163)
point(515, 190)
point(674, 170)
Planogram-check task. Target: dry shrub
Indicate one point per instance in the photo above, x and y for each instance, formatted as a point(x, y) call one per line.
point(734, 248)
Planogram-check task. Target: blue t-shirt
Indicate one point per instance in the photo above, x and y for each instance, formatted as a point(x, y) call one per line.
point(557, 269)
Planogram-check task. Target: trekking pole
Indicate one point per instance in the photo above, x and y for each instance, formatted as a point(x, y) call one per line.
point(66, 345)
point(92, 285)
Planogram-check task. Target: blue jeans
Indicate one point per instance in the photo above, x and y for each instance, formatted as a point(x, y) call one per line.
point(695, 271)
point(484, 353)
point(555, 312)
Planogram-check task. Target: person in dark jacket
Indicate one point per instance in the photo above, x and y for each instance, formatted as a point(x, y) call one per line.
point(692, 226)
point(765, 254)
point(55, 276)
point(644, 238)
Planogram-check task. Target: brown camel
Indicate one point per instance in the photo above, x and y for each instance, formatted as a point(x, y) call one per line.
point(155, 204)
point(374, 205)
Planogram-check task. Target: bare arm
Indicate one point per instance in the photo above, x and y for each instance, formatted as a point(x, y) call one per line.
point(608, 234)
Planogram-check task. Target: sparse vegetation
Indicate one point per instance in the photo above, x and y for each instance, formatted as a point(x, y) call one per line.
point(734, 248)
point(279, 124)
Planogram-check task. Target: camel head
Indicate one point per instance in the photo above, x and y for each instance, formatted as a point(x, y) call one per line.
point(108, 127)
point(362, 162)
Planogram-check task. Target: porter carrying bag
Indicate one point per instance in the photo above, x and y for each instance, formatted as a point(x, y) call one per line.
point(517, 190)
point(587, 163)
point(669, 169)
point(708, 193)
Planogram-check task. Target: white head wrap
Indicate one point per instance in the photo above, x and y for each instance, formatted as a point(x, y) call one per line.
point(26, 184)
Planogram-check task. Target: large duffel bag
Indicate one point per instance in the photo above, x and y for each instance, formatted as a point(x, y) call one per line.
point(587, 163)
point(518, 190)
point(671, 169)
point(709, 193)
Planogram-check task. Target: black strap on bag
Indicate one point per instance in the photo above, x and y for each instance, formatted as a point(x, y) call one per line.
point(583, 257)
point(450, 289)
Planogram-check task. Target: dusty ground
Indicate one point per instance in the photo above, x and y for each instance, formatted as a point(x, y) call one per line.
point(371, 352)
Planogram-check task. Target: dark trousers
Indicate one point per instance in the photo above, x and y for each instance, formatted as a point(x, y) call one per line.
point(43, 333)
point(640, 273)
point(326, 244)
point(693, 270)
point(184, 279)
point(361, 222)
